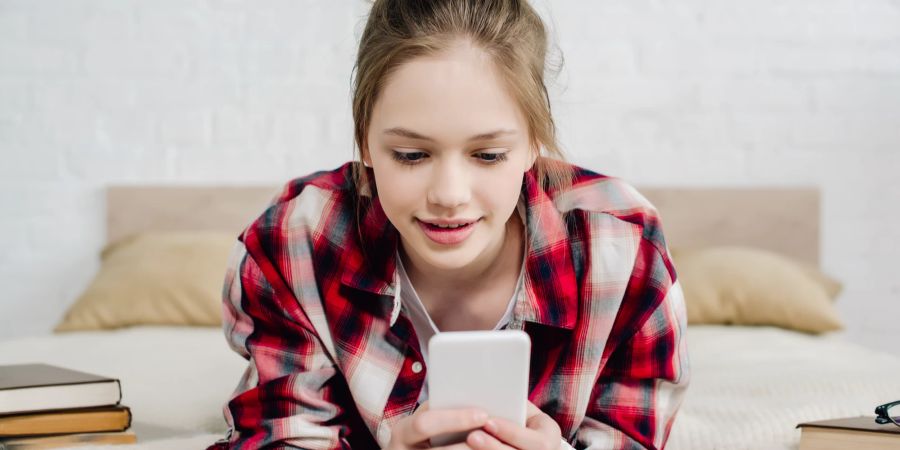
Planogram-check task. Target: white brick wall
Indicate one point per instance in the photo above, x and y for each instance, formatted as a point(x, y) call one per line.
point(696, 92)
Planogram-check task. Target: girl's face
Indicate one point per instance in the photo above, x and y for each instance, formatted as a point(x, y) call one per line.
point(448, 146)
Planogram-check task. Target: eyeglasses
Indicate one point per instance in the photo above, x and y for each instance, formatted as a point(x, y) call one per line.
point(888, 413)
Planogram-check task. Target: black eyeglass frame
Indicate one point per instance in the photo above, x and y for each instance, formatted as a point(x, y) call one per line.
point(881, 413)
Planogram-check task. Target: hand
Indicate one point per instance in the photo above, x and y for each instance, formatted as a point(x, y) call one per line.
point(540, 432)
point(415, 431)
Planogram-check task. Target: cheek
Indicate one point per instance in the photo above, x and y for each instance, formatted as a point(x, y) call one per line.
point(500, 191)
point(399, 192)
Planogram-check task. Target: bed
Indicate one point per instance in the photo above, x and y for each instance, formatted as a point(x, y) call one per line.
point(750, 385)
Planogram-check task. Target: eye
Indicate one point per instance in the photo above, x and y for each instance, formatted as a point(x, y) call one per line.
point(491, 158)
point(409, 158)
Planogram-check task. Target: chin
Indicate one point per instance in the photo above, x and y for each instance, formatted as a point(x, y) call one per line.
point(445, 262)
point(443, 258)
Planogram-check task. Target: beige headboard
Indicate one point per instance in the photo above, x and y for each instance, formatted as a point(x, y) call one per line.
point(133, 209)
point(785, 220)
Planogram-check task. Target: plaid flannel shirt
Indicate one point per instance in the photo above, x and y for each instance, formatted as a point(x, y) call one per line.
point(309, 301)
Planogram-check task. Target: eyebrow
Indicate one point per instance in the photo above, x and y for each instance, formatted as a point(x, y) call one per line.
point(403, 132)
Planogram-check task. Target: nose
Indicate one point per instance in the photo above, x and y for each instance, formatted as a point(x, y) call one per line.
point(449, 185)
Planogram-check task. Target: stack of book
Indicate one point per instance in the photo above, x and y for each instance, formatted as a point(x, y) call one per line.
point(44, 406)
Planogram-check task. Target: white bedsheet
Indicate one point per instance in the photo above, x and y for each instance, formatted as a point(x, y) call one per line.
point(750, 386)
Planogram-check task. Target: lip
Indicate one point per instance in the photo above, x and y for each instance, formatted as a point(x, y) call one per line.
point(448, 236)
point(449, 221)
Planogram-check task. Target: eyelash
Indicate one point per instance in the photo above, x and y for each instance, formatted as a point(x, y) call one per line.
point(403, 157)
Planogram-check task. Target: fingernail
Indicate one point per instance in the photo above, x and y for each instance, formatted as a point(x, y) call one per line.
point(491, 426)
point(477, 438)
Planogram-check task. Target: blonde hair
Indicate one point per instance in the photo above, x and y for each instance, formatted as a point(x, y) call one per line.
point(510, 31)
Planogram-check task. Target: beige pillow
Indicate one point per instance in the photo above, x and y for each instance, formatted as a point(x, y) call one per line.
point(832, 287)
point(162, 278)
point(747, 286)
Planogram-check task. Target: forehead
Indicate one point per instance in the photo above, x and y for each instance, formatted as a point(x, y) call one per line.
point(453, 92)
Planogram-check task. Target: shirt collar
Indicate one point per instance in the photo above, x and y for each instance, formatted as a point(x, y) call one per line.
point(551, 293)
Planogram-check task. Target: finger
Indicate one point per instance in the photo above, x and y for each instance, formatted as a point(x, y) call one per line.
point(533, 410)
point(540, 421)
point(515, 435)
point(479, 440)
point(431, 423)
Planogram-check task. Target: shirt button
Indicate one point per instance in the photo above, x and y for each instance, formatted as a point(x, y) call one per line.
point(416, 367)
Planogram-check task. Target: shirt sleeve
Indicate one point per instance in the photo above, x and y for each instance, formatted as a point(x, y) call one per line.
point(641, 385)
point(289, 394)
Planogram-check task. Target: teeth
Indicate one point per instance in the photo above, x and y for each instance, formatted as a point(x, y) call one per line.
point(450, 226)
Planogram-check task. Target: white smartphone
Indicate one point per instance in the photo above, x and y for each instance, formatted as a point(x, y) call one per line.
point(482, 369)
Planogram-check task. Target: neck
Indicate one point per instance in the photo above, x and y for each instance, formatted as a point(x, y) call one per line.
point(500, 259)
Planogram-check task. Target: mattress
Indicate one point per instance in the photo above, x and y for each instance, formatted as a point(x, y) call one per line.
point(750, 385)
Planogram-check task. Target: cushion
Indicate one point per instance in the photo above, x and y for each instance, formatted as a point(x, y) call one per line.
point(832, 287)
point(749, 286)
point(159, 278)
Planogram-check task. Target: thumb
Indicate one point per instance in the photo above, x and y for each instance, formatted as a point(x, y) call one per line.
point(533, 410)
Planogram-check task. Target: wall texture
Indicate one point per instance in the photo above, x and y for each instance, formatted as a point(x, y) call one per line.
point(698, 92)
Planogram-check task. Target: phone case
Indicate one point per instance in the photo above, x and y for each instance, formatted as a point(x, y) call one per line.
point(483, 369)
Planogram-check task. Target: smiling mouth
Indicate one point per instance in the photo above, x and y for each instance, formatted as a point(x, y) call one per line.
point(447, 227)
point(448, 233)
point(448, 223)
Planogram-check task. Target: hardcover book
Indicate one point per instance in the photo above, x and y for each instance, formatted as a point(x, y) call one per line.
point(67, 440)
point(43, 387)
point(82, 420)
point(857, 433)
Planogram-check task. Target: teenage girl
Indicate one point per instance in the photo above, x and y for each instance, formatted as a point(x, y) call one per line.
point(459, 215)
